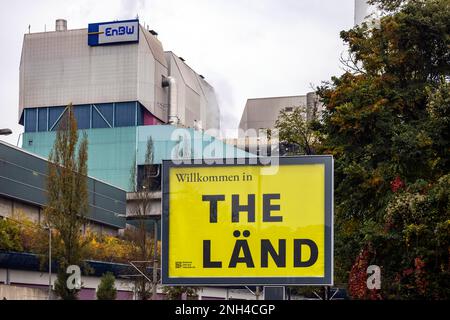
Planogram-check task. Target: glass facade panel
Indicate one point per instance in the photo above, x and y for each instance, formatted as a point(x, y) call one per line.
point(106, 109)
point(53, 115)
point(83, 116)
point(125, 115)
point(97, 120)
point(30, 120)
point(42, 119)
point(102, 115)
point(140, 117)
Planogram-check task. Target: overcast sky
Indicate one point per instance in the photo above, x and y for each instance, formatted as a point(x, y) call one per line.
point(245, 49)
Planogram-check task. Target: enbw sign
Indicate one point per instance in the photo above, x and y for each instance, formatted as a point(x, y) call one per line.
point(113, 32)
point(231, 224)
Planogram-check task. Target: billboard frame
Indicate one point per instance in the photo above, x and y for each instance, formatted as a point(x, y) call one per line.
point(326, 280)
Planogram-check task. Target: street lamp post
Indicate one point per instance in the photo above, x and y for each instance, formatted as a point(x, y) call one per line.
point(49, 261)
point(5, 132)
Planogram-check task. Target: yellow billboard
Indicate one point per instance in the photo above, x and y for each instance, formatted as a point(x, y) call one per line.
point(233, 224)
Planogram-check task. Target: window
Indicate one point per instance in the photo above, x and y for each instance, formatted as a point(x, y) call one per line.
point(288, 109)
point(102, 112)
point(42, 119)
point(83, 116)
point(30, 119)
point(97, 120)
point(101, 115)
point(125, 114)
point(53, 115)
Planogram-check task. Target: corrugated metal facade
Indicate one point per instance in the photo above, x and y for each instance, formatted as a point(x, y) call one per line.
point(23, 177)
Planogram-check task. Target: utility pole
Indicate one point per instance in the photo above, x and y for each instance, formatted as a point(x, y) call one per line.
point(155, 259)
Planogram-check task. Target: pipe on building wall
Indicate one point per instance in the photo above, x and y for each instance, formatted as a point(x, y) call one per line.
point(173, 103)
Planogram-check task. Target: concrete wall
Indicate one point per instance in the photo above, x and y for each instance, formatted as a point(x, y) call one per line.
point(28, 285)
point(34, 280)
point(262, 113)
point(217, 293)
point(22, 293)
point(10, 208)
point(101, 229)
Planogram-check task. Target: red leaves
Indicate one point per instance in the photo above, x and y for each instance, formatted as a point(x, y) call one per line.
point(421, 282)
point(357, 284)
point(419, 263)
point(408, 272)
point(415, 278)
point(397, 184)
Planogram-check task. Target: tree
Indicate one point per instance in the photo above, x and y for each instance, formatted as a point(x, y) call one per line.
point(386, 123)
point(67, 201)
point(297, 132)
point(145, 250)
point(10, 235)
point(106, 289)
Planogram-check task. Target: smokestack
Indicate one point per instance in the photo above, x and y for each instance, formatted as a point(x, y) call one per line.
point(61, 25)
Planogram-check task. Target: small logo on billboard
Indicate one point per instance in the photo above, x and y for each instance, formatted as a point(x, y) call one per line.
point(184, 265)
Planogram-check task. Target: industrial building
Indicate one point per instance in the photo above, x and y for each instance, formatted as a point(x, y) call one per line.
point(127, 93)
point(124, 91)
point(112, 85)
point(262, 113)
point(23, 194)
point(22, 190)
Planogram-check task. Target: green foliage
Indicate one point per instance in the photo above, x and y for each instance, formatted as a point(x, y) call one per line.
point(295, 129)
point(386, 123)
point(106, 289)
point(67, 197)
point(9, 236)
point(419, 217)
